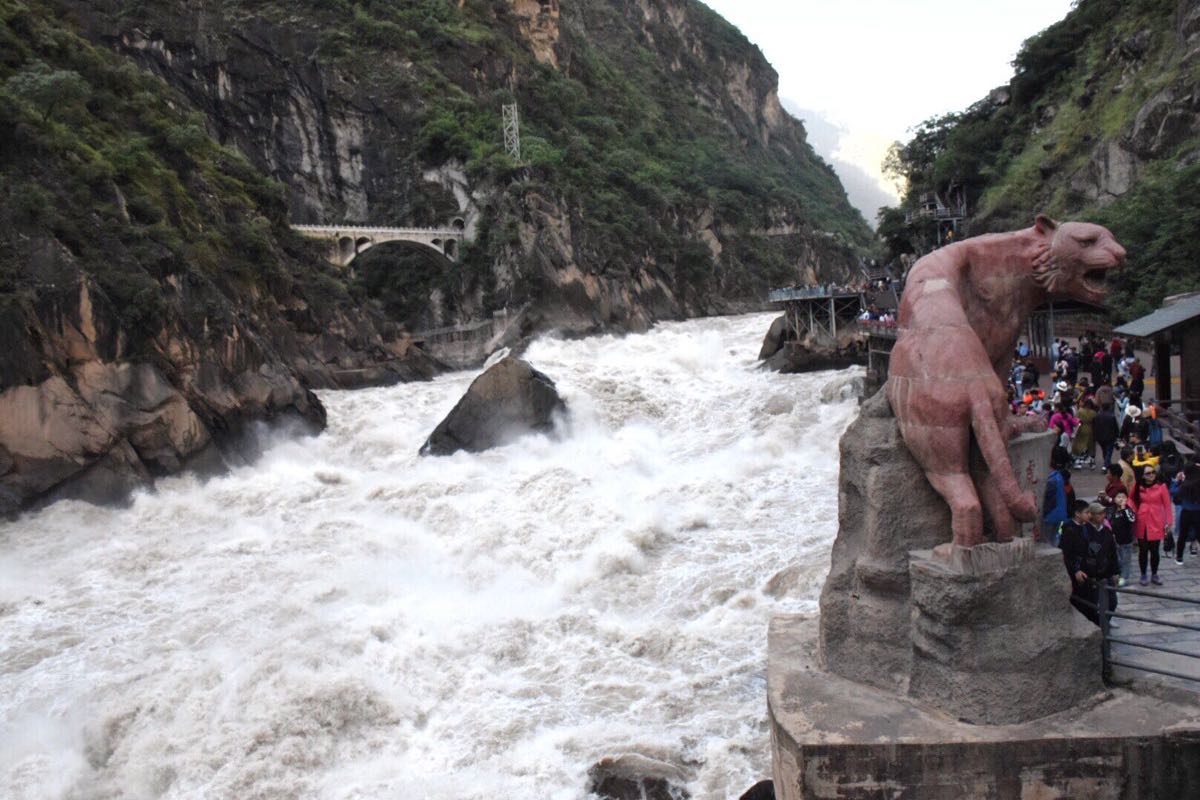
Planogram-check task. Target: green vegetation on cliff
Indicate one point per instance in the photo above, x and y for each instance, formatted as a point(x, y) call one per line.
point(104, 174)
point(1099, 122)
point(652, 142)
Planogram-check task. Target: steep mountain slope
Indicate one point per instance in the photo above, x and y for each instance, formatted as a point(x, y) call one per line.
point(153, 300)
point(864, 191)
point(657, 156)
point(1101, 121)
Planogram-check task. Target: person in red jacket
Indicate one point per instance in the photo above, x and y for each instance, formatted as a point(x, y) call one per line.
point(1151, 502)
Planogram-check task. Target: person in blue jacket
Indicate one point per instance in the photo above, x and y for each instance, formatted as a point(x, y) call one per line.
point(1055, 503)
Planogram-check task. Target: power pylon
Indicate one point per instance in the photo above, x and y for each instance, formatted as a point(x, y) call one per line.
point(512, 132)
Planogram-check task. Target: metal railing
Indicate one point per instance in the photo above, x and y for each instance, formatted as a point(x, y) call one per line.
point(811, 292)
point(332, 231)
point(1108, 640)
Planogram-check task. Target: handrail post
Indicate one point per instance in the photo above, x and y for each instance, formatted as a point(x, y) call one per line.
point(1105, 604)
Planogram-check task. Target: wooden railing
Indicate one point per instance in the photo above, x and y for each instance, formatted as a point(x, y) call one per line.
point(1178, 420)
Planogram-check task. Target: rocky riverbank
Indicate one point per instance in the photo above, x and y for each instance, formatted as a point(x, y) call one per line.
point(84, 413)
point(781, 352)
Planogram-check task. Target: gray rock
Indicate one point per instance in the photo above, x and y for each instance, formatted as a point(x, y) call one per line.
point(508, 400)
point(840, 389)
point(795, 357)
point(636, 777)
point(1164, 122)
point(776, 336)
point(998, 646)
point(763, 790)
point(886, 510)
point(1189, 22)
point(886, 507)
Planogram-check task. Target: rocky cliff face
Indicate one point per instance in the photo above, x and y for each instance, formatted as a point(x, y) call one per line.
point(396, 120)
point(1164, 122)
point(153, 302)
point(84, 413)
point(92, 407)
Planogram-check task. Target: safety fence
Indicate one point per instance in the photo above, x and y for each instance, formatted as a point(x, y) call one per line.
point(1109, 638)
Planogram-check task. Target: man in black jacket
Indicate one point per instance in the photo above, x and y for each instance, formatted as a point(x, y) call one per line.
point(1090, 556)
point(1106, 432)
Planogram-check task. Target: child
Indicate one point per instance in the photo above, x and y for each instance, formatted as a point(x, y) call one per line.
point(1121, 518)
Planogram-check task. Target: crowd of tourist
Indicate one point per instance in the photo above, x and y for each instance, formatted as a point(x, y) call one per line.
point(830, 289)
point(1151, 501)
point(878, 316)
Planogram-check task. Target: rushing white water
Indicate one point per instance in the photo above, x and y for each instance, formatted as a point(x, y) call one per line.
point(344, 619)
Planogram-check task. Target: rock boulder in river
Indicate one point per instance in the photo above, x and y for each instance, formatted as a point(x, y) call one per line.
point(782, 353)
point(777, 336)
point(636, 777)
point(509, 399)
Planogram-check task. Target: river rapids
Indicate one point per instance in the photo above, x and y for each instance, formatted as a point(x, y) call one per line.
point(345, 619)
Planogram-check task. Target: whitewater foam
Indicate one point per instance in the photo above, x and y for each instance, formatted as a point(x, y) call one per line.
point(344, 619)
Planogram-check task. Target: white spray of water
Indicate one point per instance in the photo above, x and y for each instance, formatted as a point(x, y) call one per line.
point(344, 619)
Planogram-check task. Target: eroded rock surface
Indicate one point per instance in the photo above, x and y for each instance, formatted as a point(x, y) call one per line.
point(86, 413)
point(777, 336)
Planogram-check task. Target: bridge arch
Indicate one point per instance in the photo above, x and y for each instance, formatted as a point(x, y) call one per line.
point(346, 242)
point(426, 251)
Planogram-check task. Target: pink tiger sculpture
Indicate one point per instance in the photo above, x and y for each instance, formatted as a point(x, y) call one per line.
point(963, 308)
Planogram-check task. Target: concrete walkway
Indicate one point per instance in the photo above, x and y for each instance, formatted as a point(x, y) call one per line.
point(1178, 580)
point(1181, 581)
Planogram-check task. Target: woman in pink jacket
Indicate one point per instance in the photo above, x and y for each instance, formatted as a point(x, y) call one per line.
point(1152, 503)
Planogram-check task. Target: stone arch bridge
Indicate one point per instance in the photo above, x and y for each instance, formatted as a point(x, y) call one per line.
point(347, 241)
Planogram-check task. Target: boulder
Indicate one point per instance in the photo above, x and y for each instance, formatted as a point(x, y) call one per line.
point(796, 357)
point(840, 389)
point(508, 400)
point(636, 777)
point(777, 336)
point(763, 790)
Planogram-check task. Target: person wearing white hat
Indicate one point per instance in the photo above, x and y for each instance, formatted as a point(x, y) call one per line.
point(1133, 425)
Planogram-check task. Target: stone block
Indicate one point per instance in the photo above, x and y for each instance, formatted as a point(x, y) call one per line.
point(994, 646)
point(886, 509)
point(835, 739)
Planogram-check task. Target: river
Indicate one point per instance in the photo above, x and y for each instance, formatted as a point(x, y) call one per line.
point(345, 619)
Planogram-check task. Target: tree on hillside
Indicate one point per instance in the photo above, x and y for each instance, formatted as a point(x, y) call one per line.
point(46, 89)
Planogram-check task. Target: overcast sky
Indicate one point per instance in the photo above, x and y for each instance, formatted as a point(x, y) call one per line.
point(879, 67)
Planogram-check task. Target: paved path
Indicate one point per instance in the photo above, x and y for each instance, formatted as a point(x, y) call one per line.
point(1177, 580)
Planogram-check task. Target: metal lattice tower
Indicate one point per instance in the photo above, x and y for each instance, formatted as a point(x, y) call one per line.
point(512, 132)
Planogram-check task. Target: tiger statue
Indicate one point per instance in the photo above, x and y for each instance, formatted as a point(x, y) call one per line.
point(962, 310)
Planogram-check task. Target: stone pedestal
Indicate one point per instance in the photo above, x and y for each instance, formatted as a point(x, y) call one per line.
point(886, 510)
point(990, 641)
point(836, 739)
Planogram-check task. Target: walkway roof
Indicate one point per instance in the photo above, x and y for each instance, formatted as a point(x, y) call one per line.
point(1167, 317)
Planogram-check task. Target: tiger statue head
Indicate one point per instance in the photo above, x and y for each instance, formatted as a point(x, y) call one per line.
point(1073, 259)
